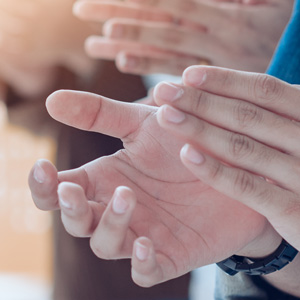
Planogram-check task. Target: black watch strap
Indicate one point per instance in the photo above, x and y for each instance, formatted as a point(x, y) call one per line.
point(282, 256)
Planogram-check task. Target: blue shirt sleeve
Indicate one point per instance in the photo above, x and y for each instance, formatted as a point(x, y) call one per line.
point(285, 64)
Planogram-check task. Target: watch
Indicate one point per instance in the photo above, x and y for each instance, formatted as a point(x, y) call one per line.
point(282, 256)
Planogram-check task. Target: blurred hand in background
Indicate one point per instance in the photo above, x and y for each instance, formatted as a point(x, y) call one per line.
point(166, 36)
point(36, 36)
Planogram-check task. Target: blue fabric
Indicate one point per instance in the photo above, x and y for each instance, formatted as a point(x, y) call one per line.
point(286, 60)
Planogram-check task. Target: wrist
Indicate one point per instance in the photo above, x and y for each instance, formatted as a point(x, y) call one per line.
point(263, 245)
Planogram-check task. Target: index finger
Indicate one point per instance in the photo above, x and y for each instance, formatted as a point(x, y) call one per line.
point(261, 89)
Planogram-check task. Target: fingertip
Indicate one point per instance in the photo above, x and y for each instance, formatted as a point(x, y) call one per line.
point(74, 108)
point(123, 200)
point(167, 92)
point(195, 75)
point(127, 63)
point(42, 171)
point(107, 28)
point(145, 271)
point(39, 174)
point(191, 155)
point(42, 181)
point(90, 46)
point(72, 199)
point(142, 247)
point(78, 9)
point(54, 101)
point(168, 115)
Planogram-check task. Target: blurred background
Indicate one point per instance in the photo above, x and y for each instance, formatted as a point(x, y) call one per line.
point(25, 231)
point(34, 61)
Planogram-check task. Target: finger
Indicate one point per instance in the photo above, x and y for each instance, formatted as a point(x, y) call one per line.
point(79, 216)
point(145, 270)
point(205, 13)
point(164, 36)
point(112, 238)
point(134, 64)
point(235, 115)
point(101, 11)
point(281, 207)
point(43, 183)
point(94, 113)
point(100, 47)
point(232, 148)
point(260, 89)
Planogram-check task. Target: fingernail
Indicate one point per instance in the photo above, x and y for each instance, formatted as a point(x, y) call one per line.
point(168, 92)
point(127, 62)
point(65, 203)
point(120, 205)
point(76, 9)
point(192, 155)
point(141, 252)
point(114, 31)
point(173, 115)
point(39, 174)
point(195, 76)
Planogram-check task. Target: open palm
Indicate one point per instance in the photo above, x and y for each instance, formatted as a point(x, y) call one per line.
point(189, 224)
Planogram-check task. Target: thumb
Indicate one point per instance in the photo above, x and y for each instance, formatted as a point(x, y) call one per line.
point(92, 112)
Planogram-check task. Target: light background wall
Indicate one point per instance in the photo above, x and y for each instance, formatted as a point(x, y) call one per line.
point(25, 231)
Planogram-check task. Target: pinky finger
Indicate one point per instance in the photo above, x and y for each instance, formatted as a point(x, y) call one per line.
point(146, 271)
point(250, 189)
point(129, 63)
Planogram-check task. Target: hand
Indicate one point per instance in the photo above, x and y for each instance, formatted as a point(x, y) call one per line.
point(241, 129)
point(142, 203)
point(224, 34)
point(36, 36)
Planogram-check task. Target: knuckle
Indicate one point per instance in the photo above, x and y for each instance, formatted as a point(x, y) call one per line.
point(240, 146)
point(216, 171)
point(199, 102)
point(248, 115)
point(265, 196)
point(267, 88)
point(244, 183)
point(292, 207)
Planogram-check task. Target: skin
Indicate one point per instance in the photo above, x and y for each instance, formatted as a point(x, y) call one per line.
point(148, 36)
point(142, 203)
point(146, 204)
point(240, 130)
point(30, 52)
